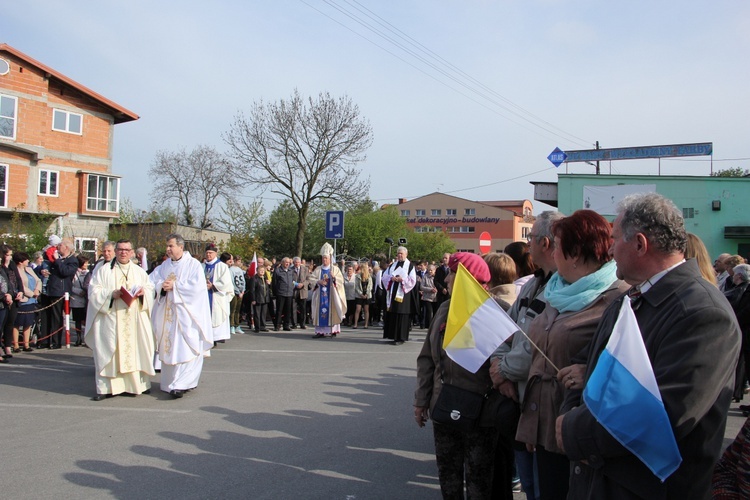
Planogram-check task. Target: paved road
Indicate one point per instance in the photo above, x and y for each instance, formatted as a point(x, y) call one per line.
point(276, 416)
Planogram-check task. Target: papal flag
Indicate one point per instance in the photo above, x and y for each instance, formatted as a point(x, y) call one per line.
point(476, 324)
point(623, 396)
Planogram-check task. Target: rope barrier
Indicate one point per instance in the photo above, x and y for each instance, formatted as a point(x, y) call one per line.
point(43, 308)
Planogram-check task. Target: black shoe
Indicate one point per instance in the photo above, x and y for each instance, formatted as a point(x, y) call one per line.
point(264, 329)
point(7, 356)
point(101, 397)
point(287, 329)
point(275, 328)
point(318, 336)
point(28, 349)
point(55, 347)
point(147, 391)
point(744, 407)
point(302, 327)
point(257, 331)
point(176, 394)
point(293, 327)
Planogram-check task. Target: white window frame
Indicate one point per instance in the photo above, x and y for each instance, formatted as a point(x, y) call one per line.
point(450, 211)
point(67, 114)
point(14, 117)
point(436, 211)
point(97, 199)
point(47, 174)
point(405, 213)
point(4, 186)
point(91, 254)
point(420, 211)
point(470, 211)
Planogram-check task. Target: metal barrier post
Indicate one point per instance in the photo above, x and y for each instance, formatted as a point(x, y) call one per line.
point(67, 320)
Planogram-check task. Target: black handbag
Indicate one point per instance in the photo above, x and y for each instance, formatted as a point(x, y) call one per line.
point(500, 412)
point(457, 407)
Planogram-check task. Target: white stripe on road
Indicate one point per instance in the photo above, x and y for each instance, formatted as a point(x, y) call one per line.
point(100, 408)
point(291, 374)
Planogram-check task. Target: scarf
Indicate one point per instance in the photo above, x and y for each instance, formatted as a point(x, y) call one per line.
point(566, 297)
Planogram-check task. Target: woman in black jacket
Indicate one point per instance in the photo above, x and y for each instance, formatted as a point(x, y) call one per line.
point(9, 271)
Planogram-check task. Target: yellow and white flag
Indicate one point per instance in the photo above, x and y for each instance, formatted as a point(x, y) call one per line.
point(476, 324)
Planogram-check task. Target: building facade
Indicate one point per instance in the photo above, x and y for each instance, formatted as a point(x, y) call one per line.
point(714, 208)
point(56, 141)
point(464, 221)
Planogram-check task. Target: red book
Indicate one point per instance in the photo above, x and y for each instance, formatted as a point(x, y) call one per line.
point(128, 296)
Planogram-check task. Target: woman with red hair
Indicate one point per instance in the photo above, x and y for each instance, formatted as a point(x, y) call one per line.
point(577, 295)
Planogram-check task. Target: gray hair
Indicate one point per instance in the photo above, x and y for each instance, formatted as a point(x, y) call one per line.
point(108, 243)
point(405, 250)
point(296, 259)
point(544, 223)
point(177, 239)
point(657, 218)
point(37, 255)
point(743, 270)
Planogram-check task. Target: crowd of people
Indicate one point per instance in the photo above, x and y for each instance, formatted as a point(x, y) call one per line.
point(565, 290)
point(693, 321)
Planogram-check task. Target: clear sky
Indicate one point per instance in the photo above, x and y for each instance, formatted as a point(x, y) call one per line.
point(466, 97)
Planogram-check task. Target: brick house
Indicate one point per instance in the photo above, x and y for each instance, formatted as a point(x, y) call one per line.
point(465, 220)
point(56, 141)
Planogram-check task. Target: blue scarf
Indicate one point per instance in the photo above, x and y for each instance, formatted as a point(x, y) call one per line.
point(566, 297)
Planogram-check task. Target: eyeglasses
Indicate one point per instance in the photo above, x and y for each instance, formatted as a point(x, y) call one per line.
point(123, 249)
point(530, 237)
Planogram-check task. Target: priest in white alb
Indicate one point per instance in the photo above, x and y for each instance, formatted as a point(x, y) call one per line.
point(181, 318)
point(220, 292)
point(119, 332)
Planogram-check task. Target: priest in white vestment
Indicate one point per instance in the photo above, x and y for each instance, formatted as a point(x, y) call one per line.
point(119, 331)
point(220, 292)
point(181, 318)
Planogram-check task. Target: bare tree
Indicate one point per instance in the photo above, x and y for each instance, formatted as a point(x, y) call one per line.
point(197, 181)
point(303, 150)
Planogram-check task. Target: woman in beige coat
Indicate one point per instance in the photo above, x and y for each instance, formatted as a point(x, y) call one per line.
point(577, 295)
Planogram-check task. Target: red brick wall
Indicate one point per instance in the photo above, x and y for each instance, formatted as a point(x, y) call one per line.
point(40, 96)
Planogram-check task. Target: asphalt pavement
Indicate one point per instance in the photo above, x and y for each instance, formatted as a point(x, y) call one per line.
point(277, 415)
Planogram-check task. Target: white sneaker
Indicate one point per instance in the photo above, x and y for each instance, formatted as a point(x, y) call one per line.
point(238, 330)
point(231, 330)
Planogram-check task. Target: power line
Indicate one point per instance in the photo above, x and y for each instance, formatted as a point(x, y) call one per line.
point(458, 81)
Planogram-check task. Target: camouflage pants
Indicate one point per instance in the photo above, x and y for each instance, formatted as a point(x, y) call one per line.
point(469, 454)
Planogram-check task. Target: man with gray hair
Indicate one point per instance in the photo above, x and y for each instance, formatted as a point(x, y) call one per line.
point(720, 267)
point(692, 340)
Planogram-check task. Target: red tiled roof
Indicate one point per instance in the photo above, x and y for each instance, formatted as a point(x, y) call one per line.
point(120, 113)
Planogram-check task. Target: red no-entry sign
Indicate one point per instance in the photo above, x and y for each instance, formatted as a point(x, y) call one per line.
point(485, 243)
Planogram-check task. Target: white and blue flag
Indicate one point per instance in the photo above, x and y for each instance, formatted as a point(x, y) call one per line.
point(623, 396)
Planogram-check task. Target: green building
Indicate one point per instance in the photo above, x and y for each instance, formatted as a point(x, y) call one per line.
point(715, 208)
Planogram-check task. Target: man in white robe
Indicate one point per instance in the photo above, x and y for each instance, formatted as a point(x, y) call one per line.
point(181, 318)
point(119, 334)
point(220, 292)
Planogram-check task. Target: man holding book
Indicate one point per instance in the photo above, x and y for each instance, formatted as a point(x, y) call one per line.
point(120, 336)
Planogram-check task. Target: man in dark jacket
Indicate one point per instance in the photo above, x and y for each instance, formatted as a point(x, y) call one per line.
point(440, 274)
point(283, 290)
point(60, 281)
point(692, 341)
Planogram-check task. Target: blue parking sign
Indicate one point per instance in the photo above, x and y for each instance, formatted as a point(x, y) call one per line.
point(334, 224)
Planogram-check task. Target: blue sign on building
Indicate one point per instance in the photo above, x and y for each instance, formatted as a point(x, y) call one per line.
point(557, 157)
point(334, 224)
